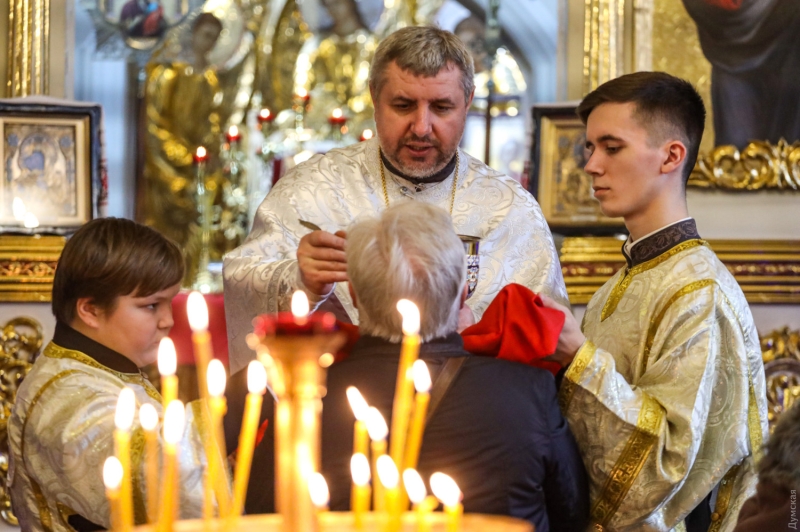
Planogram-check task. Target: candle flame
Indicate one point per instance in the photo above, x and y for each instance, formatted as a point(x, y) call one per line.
point(197, 311)
point(233, 131)
point(318, 489)
point(200, 153)
point(359, 468)
point(256, 377)
point(357, 403)
point(126, 409)
point(376, 425)
point(387, 471)
point(302, 92)
point(422, 377)
point(337, 113)
point(300, 306)
point(410, 314)
point(148, 417)
point(167, 358)
point(215, 376)
point(367, 134)
point(326, 360)
point(174, 420)
point(445, 489)
point(265, 113)
point(30, 220)
point(112, 473)
point(415, 487)
point(18, 209)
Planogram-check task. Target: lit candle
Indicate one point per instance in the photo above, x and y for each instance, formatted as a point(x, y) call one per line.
point(401, 408)
point(447, 491)
point(300, 307)
point(256, 385)
point(366, 135)
point(359, 468)
point(123, 419)
point(360, 410)
point(303, 95)
point(318, 490)
point(200, 156)
point(337, 118)
point(233, 134)
point(415, 488)
point(215, 446)
point(422, 383)
point(265, 116)
point(148, 418)
point(376, 426)
point(390, 479)
point(197, 312)
point(174, 421)
point(167, 364)
point(112, 478)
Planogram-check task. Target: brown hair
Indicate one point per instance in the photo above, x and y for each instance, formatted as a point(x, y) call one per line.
point(665, 106)
point(424, 51)
point(112, 257)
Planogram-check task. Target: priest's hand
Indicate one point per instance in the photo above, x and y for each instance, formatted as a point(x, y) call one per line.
point(322, 262)
point(571, 338)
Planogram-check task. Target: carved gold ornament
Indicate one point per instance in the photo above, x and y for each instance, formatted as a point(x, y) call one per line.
point(27, 266)
point(759, 166)
point(781, 354)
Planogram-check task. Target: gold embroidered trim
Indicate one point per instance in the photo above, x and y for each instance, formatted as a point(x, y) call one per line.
point(65, 512)
point(573, 374)
point(680, 527)
point(630, 461)
point(45, 516)
point(137, 476)
point(625, 280)
point(656, 323)
point(754, 425)
point(723, 498)
point(54, 350)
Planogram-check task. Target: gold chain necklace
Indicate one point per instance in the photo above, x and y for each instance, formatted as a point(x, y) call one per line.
point(452, 193)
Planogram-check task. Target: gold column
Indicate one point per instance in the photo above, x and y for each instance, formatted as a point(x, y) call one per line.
point(603, 42)
point(28, 48)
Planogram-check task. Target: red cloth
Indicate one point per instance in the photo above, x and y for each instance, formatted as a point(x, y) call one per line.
point(517, 326)
point(181, 333)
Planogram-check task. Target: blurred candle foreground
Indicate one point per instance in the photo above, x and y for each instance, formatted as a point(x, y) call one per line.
point(390, 479)
point(376, 426)
point(359, 468)
point(422, 383)
point(401, 408)
point(215, 446)
point(197, 312)
point(148, 419)
point(256, 385)
point(123, 419)
point(318, 491)
point(112, 479)
point(360, 410)
point(174, 421)
point(423, 506)
point(167, 364)
point(447, 491)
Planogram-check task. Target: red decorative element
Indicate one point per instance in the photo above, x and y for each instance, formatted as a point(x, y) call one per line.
point(284, 323)
point(200, 155)
point(265, 116)
point(181, 333)
point(261, 431)
point(233, 135)
point(517, 326)
point(730, 5)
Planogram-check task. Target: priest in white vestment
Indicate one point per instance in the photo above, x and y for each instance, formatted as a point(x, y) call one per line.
point(422, 85)
point(665, 389)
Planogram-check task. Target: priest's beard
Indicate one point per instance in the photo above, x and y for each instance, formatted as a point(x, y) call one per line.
point(420, 169)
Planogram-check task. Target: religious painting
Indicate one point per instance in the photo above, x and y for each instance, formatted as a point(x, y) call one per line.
point(558, 181)
point(43, 160)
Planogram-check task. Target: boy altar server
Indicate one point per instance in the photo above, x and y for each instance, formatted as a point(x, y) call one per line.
point(664, 389)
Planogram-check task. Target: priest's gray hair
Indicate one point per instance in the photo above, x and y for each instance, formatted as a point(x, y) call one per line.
point(781, 463)
point(424, 51)
point(410, 252)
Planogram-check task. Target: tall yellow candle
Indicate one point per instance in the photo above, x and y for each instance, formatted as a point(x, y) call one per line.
point(401, 408)
point(148, 419)
point(197, 312)
point(123, 419)
point(320, 495)
point(167, 364)
point(422, 383)
point(256, 385)
point(415, 488)
point(112, 478)
point(174, 421)
point(360, 409)
point(447, 491)
point(215, 446)
point(390, 480)
point(376, 426)
point(359, 468)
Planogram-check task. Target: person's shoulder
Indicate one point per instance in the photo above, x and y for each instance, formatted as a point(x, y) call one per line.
point(512, 373)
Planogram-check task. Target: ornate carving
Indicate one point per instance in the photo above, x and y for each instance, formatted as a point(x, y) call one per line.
point(781, 354)
point(20, 343)
point(27, 266)
point(759, 166)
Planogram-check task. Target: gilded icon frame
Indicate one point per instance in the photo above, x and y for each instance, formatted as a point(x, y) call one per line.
point(557, 179)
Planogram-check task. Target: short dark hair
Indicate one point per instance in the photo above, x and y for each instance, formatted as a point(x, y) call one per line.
point(662, 102)
point(112, 257)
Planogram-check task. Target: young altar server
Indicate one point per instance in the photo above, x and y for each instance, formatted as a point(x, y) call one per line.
point(112, 296)
point(664, 389)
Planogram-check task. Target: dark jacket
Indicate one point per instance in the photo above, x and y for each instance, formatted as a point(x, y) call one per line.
point(498, 432)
